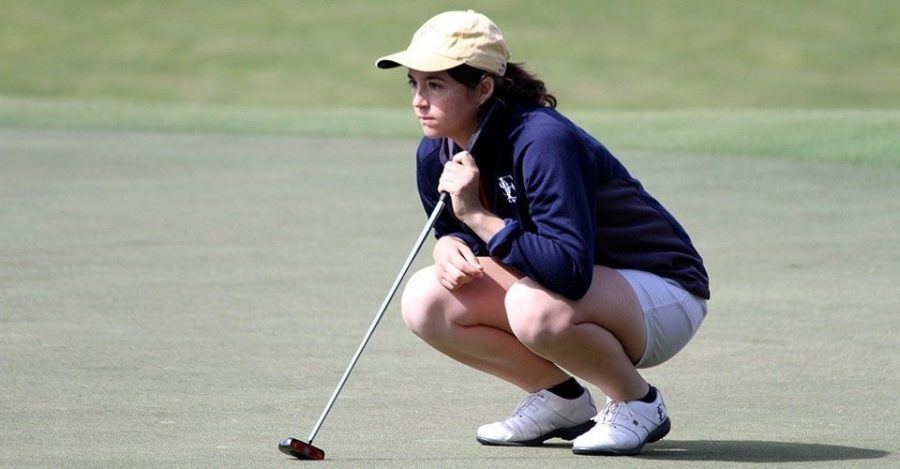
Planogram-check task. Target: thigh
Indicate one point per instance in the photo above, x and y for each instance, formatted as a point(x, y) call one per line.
point(609, 303)
point(480, 302)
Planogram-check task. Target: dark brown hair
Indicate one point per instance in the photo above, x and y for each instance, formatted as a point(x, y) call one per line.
point(516, 86)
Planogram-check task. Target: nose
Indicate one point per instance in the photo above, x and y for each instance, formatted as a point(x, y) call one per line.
point(418, 101)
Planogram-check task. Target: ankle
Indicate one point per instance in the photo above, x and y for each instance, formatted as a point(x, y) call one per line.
point(650, 397)
point(568, 389)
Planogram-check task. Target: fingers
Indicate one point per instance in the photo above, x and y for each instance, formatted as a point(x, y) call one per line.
point(464, 158)
point(472, 266)
point(452, 278)
point(456, 264)
point(457, 271)
point(461, 180)
point(460, 170)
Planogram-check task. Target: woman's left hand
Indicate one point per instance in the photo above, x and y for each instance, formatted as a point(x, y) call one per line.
point(460, 179)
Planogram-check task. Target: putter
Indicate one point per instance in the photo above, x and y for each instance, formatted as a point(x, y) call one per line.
point(305, 450)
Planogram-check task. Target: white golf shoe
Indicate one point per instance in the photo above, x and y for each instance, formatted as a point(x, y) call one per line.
point(624, 427)
point(539, 417)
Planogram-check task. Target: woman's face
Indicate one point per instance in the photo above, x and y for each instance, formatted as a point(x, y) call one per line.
point(444, 106)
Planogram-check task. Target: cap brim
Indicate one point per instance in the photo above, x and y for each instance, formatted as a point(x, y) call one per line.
point(421, 61)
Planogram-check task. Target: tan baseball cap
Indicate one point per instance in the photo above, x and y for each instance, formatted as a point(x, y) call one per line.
point(450, 39)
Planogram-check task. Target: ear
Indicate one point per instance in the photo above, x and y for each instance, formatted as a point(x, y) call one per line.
point(485, 89)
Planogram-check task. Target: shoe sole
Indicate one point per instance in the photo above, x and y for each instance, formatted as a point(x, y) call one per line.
point(661, 431)
point(567, 434)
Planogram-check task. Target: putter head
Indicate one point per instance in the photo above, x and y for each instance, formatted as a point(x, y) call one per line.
point(300, 450)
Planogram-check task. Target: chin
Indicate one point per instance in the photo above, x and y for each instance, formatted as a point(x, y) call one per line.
point(431, 133)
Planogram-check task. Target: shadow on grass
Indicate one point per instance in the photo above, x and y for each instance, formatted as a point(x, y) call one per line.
point(730, 451)
point(754, 451)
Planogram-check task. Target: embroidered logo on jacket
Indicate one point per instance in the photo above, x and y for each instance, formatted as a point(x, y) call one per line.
point(508, 187)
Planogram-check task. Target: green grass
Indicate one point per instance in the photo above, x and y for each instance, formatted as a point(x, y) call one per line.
point(203, 203)
point(801, 80)
point(865, 137)
point(187, 300)
point(641, 54)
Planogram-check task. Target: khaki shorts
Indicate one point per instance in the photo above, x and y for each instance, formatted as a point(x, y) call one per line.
point(671, 313)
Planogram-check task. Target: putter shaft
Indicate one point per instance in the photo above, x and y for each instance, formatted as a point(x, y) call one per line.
point(495, 106)
point(438, 208)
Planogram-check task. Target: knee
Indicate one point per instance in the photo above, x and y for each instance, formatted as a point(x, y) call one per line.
point(535, 316)
point(421, 301)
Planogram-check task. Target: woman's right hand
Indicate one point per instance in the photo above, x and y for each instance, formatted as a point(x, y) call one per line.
point(455, 263)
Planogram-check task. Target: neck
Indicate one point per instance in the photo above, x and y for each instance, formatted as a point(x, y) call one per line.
point(462, 139)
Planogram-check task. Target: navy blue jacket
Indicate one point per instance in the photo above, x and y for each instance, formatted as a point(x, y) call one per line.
point(568, 204)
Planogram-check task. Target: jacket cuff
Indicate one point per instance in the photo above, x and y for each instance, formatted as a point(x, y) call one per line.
point(474, 243)
point(500, 244)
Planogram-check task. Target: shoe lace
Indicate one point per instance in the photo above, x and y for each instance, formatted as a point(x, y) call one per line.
point(525, 404)
point(611, 411)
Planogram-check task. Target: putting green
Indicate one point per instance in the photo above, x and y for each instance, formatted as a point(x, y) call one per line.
point(191, 299)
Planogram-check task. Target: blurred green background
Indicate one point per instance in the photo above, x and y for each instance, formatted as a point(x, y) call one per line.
point(800, 79)
point(641, 54)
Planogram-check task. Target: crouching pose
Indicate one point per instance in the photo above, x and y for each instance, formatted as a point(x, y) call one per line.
point(554, 267)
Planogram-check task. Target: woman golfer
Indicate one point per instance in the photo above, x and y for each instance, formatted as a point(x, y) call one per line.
point(554, 262)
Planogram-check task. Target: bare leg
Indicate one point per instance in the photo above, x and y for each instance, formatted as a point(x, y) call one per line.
point(470, 325)
point(598, 338)
point(520, 332)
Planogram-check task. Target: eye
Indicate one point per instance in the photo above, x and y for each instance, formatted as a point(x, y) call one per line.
point(411, 83)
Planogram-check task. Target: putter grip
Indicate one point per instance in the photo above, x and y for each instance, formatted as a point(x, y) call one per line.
point(474, 141)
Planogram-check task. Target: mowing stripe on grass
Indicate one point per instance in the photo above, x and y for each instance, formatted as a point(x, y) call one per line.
point(869, 137)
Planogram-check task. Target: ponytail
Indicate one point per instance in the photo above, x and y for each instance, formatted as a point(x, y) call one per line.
point(516, 86)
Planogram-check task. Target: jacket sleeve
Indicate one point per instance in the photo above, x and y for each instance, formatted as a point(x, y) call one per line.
point(559, 178)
